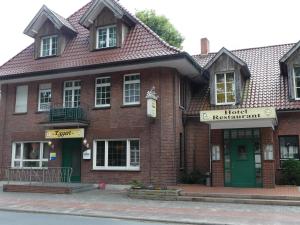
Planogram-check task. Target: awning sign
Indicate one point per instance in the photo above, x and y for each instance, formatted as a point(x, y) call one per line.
point(238, 114)
point(64, 133)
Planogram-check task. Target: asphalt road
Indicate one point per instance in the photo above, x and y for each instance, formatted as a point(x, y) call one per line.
point(16, 218)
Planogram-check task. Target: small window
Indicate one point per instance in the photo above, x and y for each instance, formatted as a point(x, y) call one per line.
point(225, 88)
point(30, 154)
point(72, 92)
point(131, 89)
point(106, 37)
point(21, 99)
point(297, 82)
point(102, 92)
point(117, 154)
point(49, 46)
point(44, 97)
point(289, 148)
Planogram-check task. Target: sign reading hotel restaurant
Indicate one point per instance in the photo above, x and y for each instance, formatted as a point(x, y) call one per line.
point(238, 114)
point(64, 133)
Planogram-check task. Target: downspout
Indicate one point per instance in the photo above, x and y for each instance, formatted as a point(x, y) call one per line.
point(210, 155)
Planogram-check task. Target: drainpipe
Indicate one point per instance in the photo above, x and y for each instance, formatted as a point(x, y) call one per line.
point(209, 151)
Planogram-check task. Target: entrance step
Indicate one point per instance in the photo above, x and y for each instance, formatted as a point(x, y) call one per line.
point(241, 198)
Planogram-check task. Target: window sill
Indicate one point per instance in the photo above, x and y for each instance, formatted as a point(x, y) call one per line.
point(103, 49)
point(131, 105)
point(118, 169)
point(47, 57)
point(101, 107)
point(19, 114)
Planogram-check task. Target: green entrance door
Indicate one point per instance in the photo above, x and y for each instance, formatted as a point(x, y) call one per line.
point(71, 157)
point(242, 163)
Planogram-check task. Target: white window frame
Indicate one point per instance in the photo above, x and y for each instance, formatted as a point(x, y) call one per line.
point(42, 89)
point(102, 85)
point(128, 167)
point(21, 160)
point(50, 45)
point(294, 80)
point(107, 36)
point(216, 93)
point(73, 88)
point(20, 97)
point(131, 82)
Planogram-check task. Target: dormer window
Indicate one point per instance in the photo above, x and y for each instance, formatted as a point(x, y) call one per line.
point(49, 46)
point(225, 88)
point(106, 37)
point(297, 82)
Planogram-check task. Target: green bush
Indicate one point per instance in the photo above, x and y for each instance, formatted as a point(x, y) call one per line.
point(291, 172)
point(195, 177)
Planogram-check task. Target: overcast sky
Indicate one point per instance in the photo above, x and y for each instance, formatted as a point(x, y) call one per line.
point(233, 24)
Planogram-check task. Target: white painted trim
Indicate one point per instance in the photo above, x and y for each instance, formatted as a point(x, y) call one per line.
point(73, 88)
point(131, 82)
point(102, 85)
point(50, 45)
point(294, 81)
point(114, 168)
point(21, 160)
point(234, 85)
point(39, 103)
point(107, 36)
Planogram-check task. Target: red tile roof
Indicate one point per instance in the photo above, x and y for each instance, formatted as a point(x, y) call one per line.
point(265, 87)
point(140, 43)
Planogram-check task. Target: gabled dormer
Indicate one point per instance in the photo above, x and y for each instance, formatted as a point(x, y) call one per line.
point(51, 33)
point(108, 24)
point(227, 75)
point(290, 67)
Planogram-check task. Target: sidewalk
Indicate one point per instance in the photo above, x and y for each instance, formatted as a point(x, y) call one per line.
point(117, 205)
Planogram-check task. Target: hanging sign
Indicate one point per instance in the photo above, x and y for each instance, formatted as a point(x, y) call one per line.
point(64, 133)
point(151, 107)
point(87, 154)
point(52, 156)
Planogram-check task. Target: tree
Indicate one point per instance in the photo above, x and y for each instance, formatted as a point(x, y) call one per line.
point(161, 26)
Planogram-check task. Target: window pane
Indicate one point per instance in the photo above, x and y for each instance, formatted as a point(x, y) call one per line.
point(220, 78)
point(220, 88)
point(31, 151)
point(134, 153)
point(298, 92)
point(289, 148)
point(31, 164)
point(297, 71)
point(18, 151)
point(117, 153)
point(21, 99)
point(230, 97)
point(102, 38)
point(229, 87)
point(46, 152)
point(229, 77)
point(100, 158)
point(112, 37)
point(221, 98)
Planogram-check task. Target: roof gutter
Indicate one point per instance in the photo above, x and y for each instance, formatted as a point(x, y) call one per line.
point(182, 55)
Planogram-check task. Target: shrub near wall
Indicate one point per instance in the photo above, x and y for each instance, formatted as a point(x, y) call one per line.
point(291, 172)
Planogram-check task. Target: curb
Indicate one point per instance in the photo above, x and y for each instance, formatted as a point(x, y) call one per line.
point(110, 217)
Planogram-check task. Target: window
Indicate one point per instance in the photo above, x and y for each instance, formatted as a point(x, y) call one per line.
point(117, 154)
point(106, 37)
point(30, 154)
point(289, 148)
point(225, 88)
point(72, 94)
point(297, 82)
point(49, 46)
point(131, 89)
point(21, 99)
point(44, 97)
point(102, 92)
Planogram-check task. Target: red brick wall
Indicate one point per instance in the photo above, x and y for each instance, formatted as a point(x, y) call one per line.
point(218, 166)
point(197, 146)
point(159, 138)
point(268, 166)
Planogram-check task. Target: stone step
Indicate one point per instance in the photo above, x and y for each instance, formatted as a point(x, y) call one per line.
point(240, 200)
point(240, 196)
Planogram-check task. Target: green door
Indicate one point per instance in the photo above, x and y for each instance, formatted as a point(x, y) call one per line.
point(71, 157)
point(242, 163)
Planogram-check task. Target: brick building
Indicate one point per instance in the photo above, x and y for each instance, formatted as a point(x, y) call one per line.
point(84, 95)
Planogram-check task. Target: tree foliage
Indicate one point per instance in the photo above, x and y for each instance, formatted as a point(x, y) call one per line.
point(161, 26)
